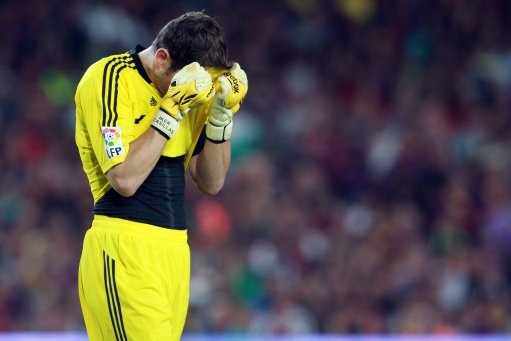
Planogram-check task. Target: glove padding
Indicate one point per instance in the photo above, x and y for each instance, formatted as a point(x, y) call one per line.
point(239, 86)
point(231, 88)
point(190, 87)
point(219, 126)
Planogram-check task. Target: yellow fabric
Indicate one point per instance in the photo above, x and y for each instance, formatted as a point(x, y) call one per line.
point(134, 281)
point(112, 94)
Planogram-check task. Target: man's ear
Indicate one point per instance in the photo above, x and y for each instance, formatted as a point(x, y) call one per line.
point(162, 59)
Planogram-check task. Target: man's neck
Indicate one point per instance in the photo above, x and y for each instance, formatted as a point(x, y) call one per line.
point(147, 59)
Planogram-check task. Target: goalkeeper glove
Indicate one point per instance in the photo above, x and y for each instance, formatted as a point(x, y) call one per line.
point(231, 88)
point(190, 87)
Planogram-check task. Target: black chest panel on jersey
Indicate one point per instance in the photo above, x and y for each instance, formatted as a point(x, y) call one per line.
point(158, 201)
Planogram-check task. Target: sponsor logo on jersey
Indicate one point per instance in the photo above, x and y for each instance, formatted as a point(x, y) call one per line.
point(113, 141)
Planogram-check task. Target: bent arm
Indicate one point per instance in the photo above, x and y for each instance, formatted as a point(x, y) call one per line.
point(144, 152)
point(209, 168)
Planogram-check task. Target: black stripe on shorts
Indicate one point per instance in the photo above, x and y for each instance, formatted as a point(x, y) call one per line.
point(114, 305)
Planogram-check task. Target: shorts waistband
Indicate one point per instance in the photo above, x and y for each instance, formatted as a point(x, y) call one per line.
point(139, 229)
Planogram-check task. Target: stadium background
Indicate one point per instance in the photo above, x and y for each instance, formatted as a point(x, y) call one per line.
point(369, 190)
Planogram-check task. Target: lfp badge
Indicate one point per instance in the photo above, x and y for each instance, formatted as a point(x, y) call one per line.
point(113, 141)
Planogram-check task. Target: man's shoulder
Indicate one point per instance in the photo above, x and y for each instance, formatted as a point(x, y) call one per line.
point(97, 70)
point(109, 61)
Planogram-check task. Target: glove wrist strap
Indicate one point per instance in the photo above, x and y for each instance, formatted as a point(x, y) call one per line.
point(165, 124)
point(218, 134)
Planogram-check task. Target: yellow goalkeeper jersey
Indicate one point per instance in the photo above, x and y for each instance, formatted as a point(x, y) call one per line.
point(115, 104)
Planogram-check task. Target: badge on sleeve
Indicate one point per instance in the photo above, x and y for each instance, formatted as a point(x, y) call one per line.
point(113, 141)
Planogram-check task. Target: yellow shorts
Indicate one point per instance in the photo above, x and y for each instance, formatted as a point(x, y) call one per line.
point(134, 281)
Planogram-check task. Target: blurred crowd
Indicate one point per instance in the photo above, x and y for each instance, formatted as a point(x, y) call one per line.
point(370, 184)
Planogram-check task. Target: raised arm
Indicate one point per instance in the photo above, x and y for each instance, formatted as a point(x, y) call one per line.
point(209, 168)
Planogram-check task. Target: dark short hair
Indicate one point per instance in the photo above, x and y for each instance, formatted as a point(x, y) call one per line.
point(194, 37)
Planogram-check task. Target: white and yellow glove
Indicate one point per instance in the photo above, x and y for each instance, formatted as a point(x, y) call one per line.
point(190, 87)
point(231, 89)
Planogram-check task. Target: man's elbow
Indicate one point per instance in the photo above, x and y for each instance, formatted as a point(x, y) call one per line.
point(212, 188)
point(124, 186)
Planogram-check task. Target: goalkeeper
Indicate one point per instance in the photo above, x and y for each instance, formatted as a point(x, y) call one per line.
point(142, 119)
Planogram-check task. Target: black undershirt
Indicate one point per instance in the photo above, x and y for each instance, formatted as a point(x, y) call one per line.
point(158, 201)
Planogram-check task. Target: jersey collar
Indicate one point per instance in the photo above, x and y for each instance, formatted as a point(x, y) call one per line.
point(138, 63)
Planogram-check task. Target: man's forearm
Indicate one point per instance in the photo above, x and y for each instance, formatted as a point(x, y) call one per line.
point(143, 154)
point(212, 165)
